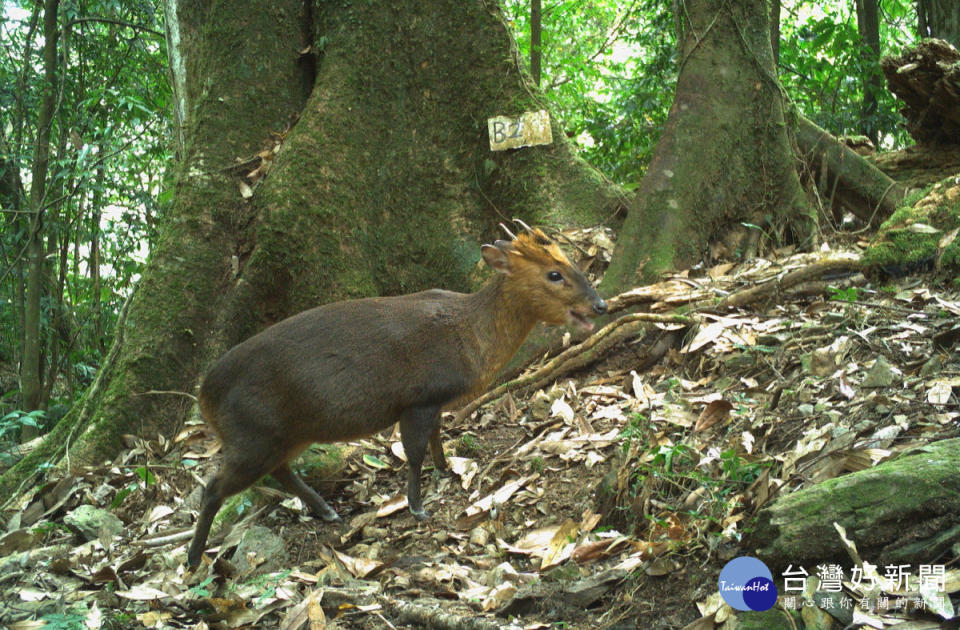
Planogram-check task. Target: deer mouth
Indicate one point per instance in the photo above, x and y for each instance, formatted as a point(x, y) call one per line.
point(579, 320)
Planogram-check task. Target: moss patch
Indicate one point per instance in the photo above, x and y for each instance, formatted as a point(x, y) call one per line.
point(324, 461)
point(920, 232)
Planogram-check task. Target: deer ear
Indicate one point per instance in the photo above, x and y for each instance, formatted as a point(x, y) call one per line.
point(496, 257)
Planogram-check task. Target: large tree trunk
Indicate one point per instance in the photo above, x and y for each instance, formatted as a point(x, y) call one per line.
point(383, 183)
point(939, 18)
point(724, 156)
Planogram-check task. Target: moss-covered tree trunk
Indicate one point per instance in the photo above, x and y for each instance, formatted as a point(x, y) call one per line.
point(383, 183)
point(724, 157)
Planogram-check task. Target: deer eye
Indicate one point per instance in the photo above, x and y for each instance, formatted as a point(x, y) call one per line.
point(554, 276)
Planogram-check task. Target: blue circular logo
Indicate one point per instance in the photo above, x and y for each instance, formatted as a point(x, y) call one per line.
point(746, 584)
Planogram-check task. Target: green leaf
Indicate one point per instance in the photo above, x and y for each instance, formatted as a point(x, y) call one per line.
point(120, 496)
point(145, 475)
point(375, 462)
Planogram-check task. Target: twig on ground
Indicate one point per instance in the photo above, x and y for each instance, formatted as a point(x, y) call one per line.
point(576, 356)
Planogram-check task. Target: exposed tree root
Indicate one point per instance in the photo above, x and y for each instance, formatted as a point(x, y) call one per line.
point(855, 183)
point(434, 617)
point(636, 324)
point(577, 356)
point(665, 292)
point(791, 279)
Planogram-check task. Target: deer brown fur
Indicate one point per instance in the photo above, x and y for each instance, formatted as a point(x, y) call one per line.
point(346, 370)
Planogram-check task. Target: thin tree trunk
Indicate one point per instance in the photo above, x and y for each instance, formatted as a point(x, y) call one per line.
point(13, 189)
point(940, 19)
point(775, 30)
point(58, 245)
point(11, 267)
point(868, 23)
point(31, 374)
point(93, 260)
point(536, 15)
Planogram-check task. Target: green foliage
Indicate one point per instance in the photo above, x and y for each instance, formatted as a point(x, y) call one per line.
point(64, 621)
point(849, 294)
point(11, 428)
point(609, 71)
point(147, 479)
point(672, 471)
point(823, 62)
point(467, 446)
point(14, 422)
point(201, 590)
point(665, 455)
point(266, 584)
point(109, 147)
point(738, 470)
point(635, 430)
point(145, 475)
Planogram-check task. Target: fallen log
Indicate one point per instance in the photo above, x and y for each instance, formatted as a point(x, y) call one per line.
point(853, 182)
point(902, 511)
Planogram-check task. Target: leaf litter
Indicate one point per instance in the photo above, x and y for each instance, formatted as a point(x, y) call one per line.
point(610, 497)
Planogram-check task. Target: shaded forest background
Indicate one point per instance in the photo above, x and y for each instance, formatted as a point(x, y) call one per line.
point(89, 130)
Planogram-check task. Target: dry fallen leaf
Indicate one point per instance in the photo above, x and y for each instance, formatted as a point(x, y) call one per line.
point(358, 567)
point(597, 550)
point(501, 495)
point(939, 393)
point(142, 592)
point(714, 412)
point(499, 596)
point(552, 544)
point(392, 505)
point(561, 545)
point(308, 610)
point(465, 468)
point(562, 408)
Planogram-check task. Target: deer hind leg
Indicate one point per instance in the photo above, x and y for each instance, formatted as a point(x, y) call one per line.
point(295, 485)
point(232, 478)
point(436, 451)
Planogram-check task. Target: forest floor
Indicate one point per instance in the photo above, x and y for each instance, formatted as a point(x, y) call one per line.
point(609, 498)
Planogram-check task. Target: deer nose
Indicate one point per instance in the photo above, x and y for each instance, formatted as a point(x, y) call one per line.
point(600, 307)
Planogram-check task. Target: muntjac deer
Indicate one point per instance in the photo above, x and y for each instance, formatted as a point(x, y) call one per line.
point(346, 370)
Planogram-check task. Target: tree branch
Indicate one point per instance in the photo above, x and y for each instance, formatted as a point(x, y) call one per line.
point(104, 20)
